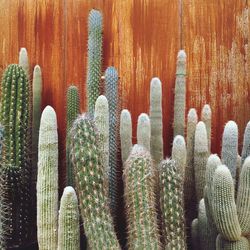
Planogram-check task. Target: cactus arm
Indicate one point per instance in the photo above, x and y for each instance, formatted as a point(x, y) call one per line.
point(143, 131)
point(246, 144)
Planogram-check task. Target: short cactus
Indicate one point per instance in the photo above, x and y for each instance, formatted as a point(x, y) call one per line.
point(206, 117)
point(180, 94)
point(139, 189)
point(246, 144)
point(73, 110)
point(195, 234)
point(229, 152)
point(200, 158)
point(223, 244)
point(68, 223)
point(125, 134)
point(94, 64)
point(143, 131)
point(47, 181)
point(90, 182)
point(156, 142)
point(24, 61)
point(111, 93)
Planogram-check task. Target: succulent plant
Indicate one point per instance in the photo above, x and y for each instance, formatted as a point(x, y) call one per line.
point(223, 244)
point(206, 117)
point(143, 131)
point(47, 181)
point(24, 61)
point(195, 234)
point(246, 144)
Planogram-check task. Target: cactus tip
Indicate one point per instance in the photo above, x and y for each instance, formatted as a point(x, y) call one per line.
point(181, 54)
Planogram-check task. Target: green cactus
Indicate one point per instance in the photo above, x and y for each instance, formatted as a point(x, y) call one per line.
point(73, 110)
point(246, 144)
point(68, 223)
point(224, 207)
point(206, 117)
point(180, 94)
point(111, 93)
point(24, 61)
point(125, 134)
point(200, 158)
point(229, 152)
point(223, 244)
point(171, 200)
point(94, 64)
point(15, 165)
point(156, 142)
point(89, 178)
point(139, 188)
point(195, 234)
point(47, 181)
point(143, 131)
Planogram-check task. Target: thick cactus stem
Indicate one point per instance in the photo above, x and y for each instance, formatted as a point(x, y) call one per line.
point(206, 117)
point(200, 158)
point(243, 197)
point(24, 61)
point(111, 93)
point(47, 181)
point(223, 244)
point(180, 94)
point(143, 131)
point(94, 64)
point(125, 134)
point(195, 234)
point(139, 183)
point(229, 152)
point(68, 225)
point(171, 199)
point(246, 144)
point(179, 154)
point(224, 207)
point(73, 110)
point(156, 143)
point(90, 182)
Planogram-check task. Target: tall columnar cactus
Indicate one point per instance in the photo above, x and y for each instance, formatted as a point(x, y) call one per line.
point(16, 166)
point(200, 158)
point(125, 134)
point(24, 61)
point(90, 182)
point(180, 94)
point(1, 141)
point(47, 181)
point(246, 144)
point(156, 142)
point(68, 225)
point(229, 153)
point(206, 117)
point(223, 244)
point(139, 189)
point(143, 131)
point(171, 199)
point(73, 110)
point(111, 93)
point(94, 64)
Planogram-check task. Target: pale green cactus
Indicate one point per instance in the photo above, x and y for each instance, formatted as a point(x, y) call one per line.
point(179, 154)
point(195, 235)
point(206, 117)
point(223, 244)
point(246, 144)
point(24, 61)
point(143, 131)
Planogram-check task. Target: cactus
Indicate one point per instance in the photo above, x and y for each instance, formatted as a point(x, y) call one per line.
point(206, 117)
point(246, 144)
point(200, 158)
point(224, 207)
point(179, 154)
point(16, 166)
point(94, 64)
point(139, 189)
point(171, 199)
point(111, 93)
point(68, 223)
point(143, 131)
point(24, 61)
point(223, 244)
point(125, 134)
point(180, 94)
point(195, 234)
point(73, 110)
point(47, 181)
point(156, 142)
point(229, 152)
point(89, 179)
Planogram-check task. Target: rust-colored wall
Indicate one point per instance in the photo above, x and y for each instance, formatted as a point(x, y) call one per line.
point(141, 39)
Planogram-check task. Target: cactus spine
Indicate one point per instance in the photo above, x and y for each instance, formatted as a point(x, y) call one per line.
point(87, 162)
point(73, 110)
point(200, 158)
point(47, 181)
point(68, 226)
point(206, 117)
point(139, 188)
point(15, 168)
point(156, 143)
point(246, 144)
point(229, 152)
point(94, 64)
point(143, 131)
point(180, 94)
point(125, 134)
